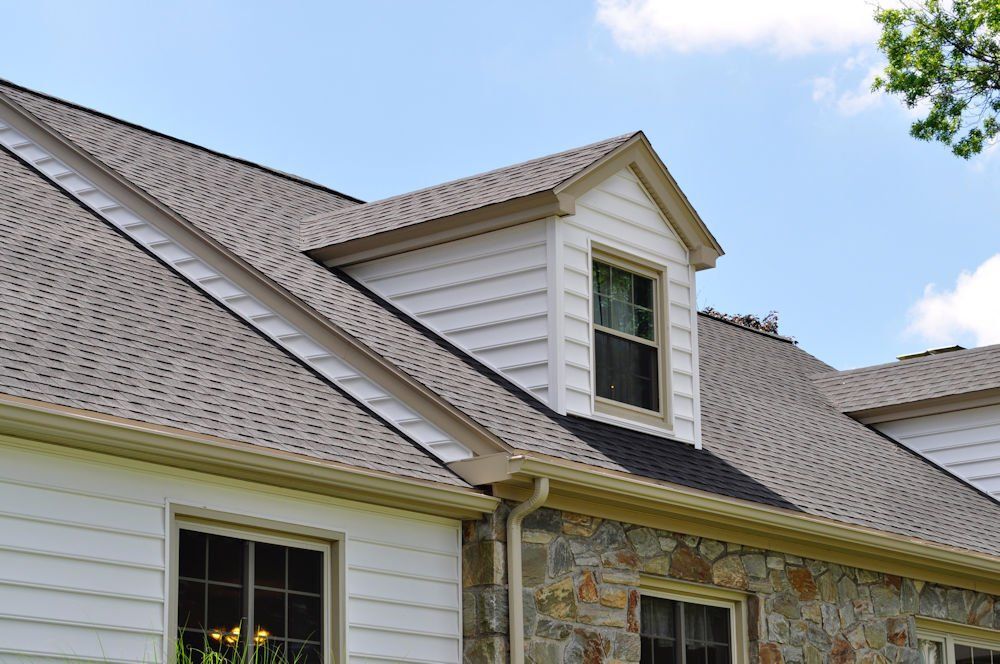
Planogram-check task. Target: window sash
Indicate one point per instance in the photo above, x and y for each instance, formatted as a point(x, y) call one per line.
point(948, 644)
point(654, 412)
point(680, 639)
point(251, 536)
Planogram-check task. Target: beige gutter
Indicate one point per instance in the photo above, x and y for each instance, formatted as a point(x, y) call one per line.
point(621, 496)
point(31, 420)
point(515, 581)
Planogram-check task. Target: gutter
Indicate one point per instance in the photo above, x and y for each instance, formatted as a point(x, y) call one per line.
point(621, 496)
point(515, 582)
point(24, 422)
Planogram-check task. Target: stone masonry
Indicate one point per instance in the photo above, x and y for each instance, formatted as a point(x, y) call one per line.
point(581, 598)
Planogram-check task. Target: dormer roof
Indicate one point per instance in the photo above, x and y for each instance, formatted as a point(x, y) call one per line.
point(500, 198)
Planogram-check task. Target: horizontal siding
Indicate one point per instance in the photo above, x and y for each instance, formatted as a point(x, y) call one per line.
point(82, 565)
point(965, 442)
point(618, 213)
point(487, 294)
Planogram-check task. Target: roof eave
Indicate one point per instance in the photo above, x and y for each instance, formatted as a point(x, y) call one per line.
point(39, 422)
point(624, 497)
point(516, 211)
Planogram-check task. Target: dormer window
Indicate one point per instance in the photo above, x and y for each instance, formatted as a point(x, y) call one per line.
point(628, 340)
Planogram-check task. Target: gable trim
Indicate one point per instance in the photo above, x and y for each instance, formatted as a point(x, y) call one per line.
point(238, 287)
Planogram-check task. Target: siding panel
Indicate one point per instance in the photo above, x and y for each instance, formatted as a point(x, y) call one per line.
point(965, 442)
point(72, 516)
point(619, 214)
point(487, 294)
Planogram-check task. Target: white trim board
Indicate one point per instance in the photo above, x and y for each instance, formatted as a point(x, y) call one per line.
point(230, 295)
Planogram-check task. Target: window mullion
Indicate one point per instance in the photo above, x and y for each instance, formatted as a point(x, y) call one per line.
point(250, 629)
point(681, 639)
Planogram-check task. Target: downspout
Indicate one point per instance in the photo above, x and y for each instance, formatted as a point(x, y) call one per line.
point(515, 584)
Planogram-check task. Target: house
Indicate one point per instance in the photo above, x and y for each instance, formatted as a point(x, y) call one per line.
point(478, 422)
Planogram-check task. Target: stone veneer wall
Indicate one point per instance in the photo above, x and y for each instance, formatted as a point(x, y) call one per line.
point(581, 579)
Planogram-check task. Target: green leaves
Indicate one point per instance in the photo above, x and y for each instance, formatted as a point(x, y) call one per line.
point(945, 57)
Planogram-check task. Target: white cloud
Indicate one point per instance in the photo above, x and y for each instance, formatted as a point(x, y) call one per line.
point(861, 98)
point(784, 27)
point(970, 310)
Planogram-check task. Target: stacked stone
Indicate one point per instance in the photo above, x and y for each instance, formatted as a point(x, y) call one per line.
point(581, 580)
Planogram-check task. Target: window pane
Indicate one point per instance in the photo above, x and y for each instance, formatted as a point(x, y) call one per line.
point(719, 628)
point(269, 611)
point(980, 656)
point(190, 605)
point(642, 292)
point(695, 629)
point(602, 310)
point(657, 617)
point(191, 562)
point(304, 617)
point(225, 559)
point(963, 654)
point(627, 371)
point(932, 652)
point(695, 653)
point(621, 285)
point(718, 654)
point(225, 607)
point(305, 570)
point(269, 565)
point(602, 278)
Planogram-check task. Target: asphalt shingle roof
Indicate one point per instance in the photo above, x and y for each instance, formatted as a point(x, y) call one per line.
point(769, 434)
point(88, 320)
point(443, 200)
point(907, 381)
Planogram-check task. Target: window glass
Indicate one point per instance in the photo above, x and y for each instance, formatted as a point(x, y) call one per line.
point(625, 353)
point(227, 585)
point(668, 627)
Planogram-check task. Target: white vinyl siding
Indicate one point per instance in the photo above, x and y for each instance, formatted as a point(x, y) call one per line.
point(965, 442)
point(486, 294)
point(83, 568)
point(518, 299)
point(619, 214)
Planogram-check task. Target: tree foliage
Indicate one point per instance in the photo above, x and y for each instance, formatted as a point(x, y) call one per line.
point(768, 323)
point(945, 56)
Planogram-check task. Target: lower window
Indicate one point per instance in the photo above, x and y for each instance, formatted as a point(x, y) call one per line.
point(942, 643)
point(238, 596)
point(679, 632)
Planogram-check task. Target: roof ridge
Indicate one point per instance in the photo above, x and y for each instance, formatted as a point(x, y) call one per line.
point(619, 139)
point(298, 179)
point(916, 361)
point(772, 335)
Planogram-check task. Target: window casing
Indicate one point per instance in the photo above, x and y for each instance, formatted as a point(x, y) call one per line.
point(943, 643)
point(628, 311)
point(237, 590)
point(686, 623)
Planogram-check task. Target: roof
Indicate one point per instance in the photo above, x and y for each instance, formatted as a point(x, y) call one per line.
point(88, 320)
point(961, 372)
point(443, 200)
point(769, 434)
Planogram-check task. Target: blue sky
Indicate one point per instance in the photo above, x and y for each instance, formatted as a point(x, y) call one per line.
point(829, 212)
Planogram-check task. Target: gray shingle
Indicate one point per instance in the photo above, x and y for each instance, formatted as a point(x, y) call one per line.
point(88, 320)
point(770, 436)
point(908, 381)
point(443, 200)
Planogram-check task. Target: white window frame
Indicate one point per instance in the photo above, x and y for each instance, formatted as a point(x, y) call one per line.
point(662, 417)
point(696, 593)
point(259, 529)
point(950, 634)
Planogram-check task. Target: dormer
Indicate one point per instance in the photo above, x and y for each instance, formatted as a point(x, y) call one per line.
point(572, 275)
